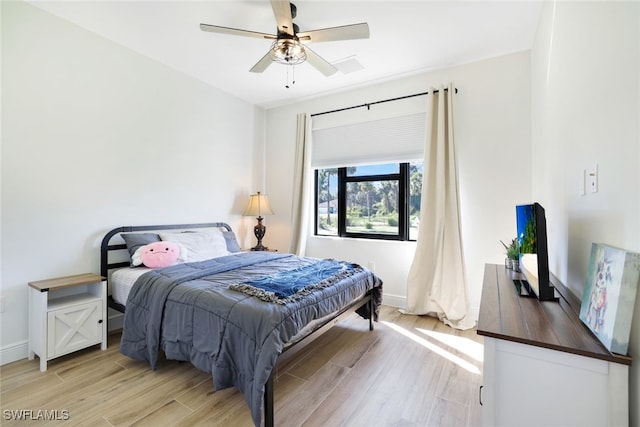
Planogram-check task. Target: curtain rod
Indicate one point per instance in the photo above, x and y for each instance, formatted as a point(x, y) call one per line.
point(369, 104)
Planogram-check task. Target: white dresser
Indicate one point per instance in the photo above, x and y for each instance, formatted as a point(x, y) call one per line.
point(542, 365)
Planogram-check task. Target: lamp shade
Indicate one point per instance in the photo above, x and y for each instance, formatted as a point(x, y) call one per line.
point(258, 206)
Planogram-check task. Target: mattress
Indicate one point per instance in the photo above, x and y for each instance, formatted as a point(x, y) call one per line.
point(122, 281)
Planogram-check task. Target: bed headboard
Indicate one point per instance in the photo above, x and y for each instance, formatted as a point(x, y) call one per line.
point(106, 247)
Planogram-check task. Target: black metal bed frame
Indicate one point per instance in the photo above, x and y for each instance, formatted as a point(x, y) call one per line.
point(106, 247)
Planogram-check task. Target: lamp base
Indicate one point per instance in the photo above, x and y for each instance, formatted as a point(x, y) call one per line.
point(259, 230)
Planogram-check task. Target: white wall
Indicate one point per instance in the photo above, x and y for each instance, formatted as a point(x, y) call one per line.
point(95, 136)
point(493, 134)
point(586, 110)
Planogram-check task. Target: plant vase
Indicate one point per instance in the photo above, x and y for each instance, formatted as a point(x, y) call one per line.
point(508, 263)
point(511, 262)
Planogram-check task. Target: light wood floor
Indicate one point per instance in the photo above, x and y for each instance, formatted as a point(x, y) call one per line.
point(409, 371)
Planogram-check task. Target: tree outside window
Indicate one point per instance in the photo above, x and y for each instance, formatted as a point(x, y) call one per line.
point(374, 201)
point(327, 202)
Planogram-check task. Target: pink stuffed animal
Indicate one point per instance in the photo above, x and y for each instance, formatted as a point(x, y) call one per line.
point(159, 254)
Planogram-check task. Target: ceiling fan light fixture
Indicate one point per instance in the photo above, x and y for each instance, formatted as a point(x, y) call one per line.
point(287, 49)
point(288, 52)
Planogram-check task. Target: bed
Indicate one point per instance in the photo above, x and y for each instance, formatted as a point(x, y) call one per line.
point(228, 312)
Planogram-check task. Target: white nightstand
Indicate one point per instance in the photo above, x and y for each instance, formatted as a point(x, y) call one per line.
point(66, 314)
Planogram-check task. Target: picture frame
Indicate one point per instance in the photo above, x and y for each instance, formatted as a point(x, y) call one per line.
point(609, 295)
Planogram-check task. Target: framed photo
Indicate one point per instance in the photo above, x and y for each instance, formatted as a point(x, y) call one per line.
point(609, 295)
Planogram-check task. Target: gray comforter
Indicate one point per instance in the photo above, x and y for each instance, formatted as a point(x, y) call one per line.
point(188, 311)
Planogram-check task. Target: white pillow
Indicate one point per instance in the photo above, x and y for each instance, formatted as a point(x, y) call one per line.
point(200, 245)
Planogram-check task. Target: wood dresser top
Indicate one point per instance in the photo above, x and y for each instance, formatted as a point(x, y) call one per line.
point(550, 324)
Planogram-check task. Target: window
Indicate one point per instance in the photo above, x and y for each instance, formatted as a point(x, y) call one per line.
point(380, 201)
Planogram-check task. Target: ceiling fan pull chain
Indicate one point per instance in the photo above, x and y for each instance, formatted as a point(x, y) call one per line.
point(293, 68)
point(286, 84)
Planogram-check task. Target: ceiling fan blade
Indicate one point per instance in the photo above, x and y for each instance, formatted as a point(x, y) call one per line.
point(235, 31)
point(262, 65)
point(319, 63)
point(282, 12)
point(345, 32)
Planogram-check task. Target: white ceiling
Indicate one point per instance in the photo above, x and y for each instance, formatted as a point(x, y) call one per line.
point(406, 37)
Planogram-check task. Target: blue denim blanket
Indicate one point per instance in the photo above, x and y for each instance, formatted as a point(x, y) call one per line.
point(289, 286)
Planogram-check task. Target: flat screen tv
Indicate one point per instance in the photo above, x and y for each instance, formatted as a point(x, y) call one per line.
point(532, 243)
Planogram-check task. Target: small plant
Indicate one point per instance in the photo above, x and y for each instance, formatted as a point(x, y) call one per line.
point(511, 250)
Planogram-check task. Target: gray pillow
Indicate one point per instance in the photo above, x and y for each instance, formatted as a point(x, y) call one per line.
point(137, 240)
point(232, 242)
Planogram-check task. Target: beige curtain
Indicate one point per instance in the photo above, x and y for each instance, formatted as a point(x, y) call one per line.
point(436, 284)
point(302, 184)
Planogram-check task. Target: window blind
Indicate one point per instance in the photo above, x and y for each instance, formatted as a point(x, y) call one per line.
point(394, 139)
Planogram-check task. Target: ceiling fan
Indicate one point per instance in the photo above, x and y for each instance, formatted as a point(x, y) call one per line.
point(287, 47)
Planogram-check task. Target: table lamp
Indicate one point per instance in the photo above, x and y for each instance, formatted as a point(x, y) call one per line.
point(258, 206)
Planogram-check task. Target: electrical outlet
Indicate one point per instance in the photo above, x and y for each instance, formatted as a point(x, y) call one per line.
point(593, 179)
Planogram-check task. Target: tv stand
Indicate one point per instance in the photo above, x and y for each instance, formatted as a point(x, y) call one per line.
point(541, 354)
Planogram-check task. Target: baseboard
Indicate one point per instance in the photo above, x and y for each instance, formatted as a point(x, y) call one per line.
point(14, 352)
point(394, 300)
